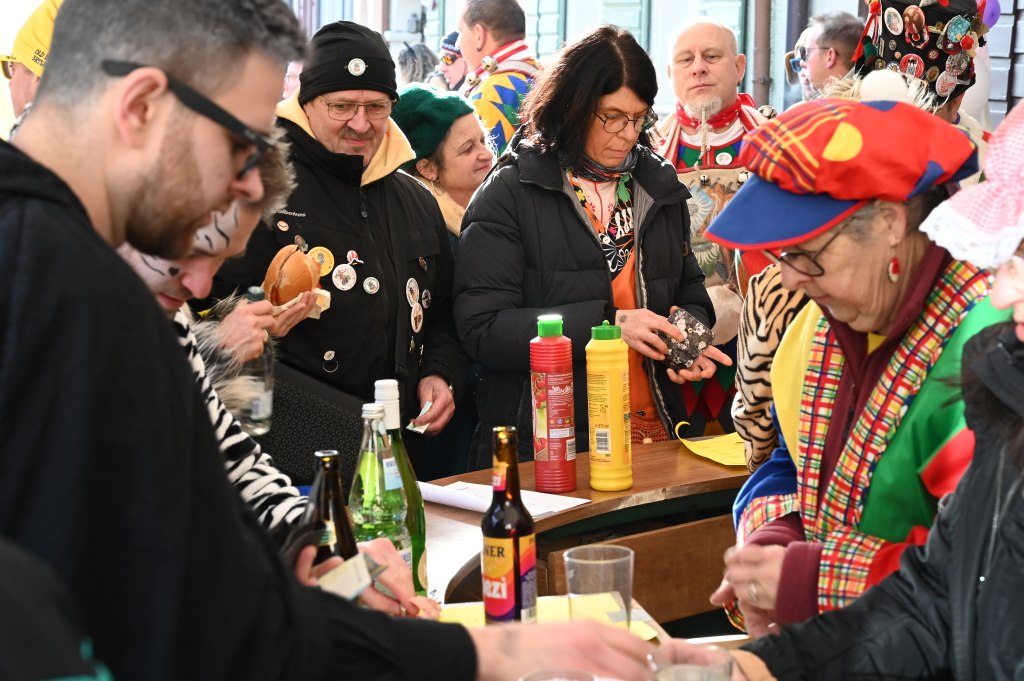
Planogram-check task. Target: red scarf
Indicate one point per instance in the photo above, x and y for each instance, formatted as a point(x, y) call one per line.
point(504, 53)
point(722, 118)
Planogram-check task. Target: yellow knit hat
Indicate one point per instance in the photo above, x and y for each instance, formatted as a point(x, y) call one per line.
point(32, 44)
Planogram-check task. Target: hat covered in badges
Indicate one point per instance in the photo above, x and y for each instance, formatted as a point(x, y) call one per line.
point(347, 56)
point(934, 41)
point(32, 43)
point(451, 43)
point(984, 223)
point(820, 161)
point(425, 115)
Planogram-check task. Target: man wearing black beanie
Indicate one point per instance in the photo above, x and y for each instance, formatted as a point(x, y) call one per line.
point(377, 233)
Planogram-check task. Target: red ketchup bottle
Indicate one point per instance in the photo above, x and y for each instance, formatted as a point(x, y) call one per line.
point(554, 424)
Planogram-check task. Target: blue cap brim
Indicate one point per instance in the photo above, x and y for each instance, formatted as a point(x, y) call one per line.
point(762, 216)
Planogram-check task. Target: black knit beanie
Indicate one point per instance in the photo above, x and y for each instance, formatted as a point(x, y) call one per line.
point(347, 56)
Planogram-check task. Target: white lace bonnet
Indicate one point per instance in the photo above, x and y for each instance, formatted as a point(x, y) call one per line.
point(984, 224)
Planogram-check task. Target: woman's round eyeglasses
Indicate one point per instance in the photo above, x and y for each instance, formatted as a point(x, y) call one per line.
point(618, 122)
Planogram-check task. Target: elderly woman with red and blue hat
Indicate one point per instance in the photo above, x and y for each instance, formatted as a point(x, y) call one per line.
point(872, 430)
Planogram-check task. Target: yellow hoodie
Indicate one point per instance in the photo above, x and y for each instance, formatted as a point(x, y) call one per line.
point(392, 153)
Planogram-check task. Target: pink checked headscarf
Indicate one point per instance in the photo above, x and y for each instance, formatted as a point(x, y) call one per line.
point(984, 224)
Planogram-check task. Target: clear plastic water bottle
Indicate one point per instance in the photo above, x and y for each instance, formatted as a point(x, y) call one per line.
point(258, 376)
point(377, 502)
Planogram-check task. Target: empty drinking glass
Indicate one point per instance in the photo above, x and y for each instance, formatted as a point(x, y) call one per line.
point(595, 573)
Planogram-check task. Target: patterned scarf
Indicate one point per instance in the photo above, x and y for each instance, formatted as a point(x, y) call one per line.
point(617, 237)
point(842, 502)
point(590, 169)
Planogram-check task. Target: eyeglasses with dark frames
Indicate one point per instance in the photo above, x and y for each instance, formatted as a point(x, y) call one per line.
point(346, 111)
point(618, 122)
point(801, 52)
point(204, 107)
point(806, 264)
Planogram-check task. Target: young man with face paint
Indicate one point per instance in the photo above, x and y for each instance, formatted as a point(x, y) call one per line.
point(265, 489)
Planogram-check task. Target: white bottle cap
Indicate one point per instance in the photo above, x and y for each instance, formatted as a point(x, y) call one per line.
point(372, 410)
point(386, 390)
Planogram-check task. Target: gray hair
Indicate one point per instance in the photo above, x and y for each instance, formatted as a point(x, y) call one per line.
point(200, 42)
point(277, 174)
point(858, 225)
point(416, 62)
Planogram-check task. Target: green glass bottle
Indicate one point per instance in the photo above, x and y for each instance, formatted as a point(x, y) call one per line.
point(377, 502)
point(386, 393)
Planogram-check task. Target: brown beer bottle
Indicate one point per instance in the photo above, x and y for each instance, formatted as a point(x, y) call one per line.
point(325, 510)
point(509, 558)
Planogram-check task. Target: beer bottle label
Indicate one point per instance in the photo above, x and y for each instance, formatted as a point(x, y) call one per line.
point(498, 566)
point(528, 577)
point(328, 537)
point(498, 475)
point(499, 579)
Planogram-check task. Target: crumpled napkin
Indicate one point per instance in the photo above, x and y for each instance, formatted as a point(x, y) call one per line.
point(323, 302)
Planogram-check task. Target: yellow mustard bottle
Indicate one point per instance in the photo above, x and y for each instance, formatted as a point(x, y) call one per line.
point(611, 457)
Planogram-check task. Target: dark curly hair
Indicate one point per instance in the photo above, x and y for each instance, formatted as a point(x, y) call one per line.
point(566, 94)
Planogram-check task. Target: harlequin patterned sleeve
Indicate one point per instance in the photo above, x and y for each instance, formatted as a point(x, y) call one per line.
point(497, 104)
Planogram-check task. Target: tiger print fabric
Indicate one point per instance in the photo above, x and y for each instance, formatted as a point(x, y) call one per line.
point(768, 310)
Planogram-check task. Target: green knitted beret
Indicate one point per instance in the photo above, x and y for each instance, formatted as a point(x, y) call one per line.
point(425, 115)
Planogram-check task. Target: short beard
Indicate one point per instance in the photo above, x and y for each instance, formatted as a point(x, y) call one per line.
point(703, 107)
point(163, 218)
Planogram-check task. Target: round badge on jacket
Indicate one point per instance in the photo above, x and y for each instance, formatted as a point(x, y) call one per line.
point(417, 318)
point(371, 285)
point(344, 277)
point(324, 258)
point(357, 67)
point(412, 291)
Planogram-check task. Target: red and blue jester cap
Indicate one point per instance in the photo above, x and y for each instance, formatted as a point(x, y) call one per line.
point(816, 164)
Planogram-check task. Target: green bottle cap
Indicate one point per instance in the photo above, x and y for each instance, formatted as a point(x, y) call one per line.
point(606, 332)
point(549, 325)
point(255, 294)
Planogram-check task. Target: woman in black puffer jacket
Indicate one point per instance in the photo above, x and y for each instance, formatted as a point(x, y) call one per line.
point(580, 219)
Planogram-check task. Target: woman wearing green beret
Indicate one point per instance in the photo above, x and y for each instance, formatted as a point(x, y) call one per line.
point(453, 156)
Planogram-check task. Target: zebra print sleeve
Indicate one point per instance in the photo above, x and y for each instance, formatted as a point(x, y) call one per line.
point(268, 491)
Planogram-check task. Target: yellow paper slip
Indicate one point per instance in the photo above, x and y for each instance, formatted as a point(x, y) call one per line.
point(601, 607)
point(724, 449)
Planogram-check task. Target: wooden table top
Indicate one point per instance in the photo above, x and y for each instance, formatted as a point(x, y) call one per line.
point(663, 470)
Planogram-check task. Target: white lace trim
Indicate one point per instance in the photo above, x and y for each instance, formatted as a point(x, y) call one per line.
point(961, 237)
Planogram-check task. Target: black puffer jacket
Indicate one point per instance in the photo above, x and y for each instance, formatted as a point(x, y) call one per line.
point(528, 249)
point(942, 615)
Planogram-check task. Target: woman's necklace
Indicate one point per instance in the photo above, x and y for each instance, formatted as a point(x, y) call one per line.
point(999, 511)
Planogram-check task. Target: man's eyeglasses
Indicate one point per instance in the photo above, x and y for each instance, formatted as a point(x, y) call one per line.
point(795, 64)
point(618, 122)
point(346, 111)
point(204, 107)
point(806, 264)
point(801, 52)
point(449, 59)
